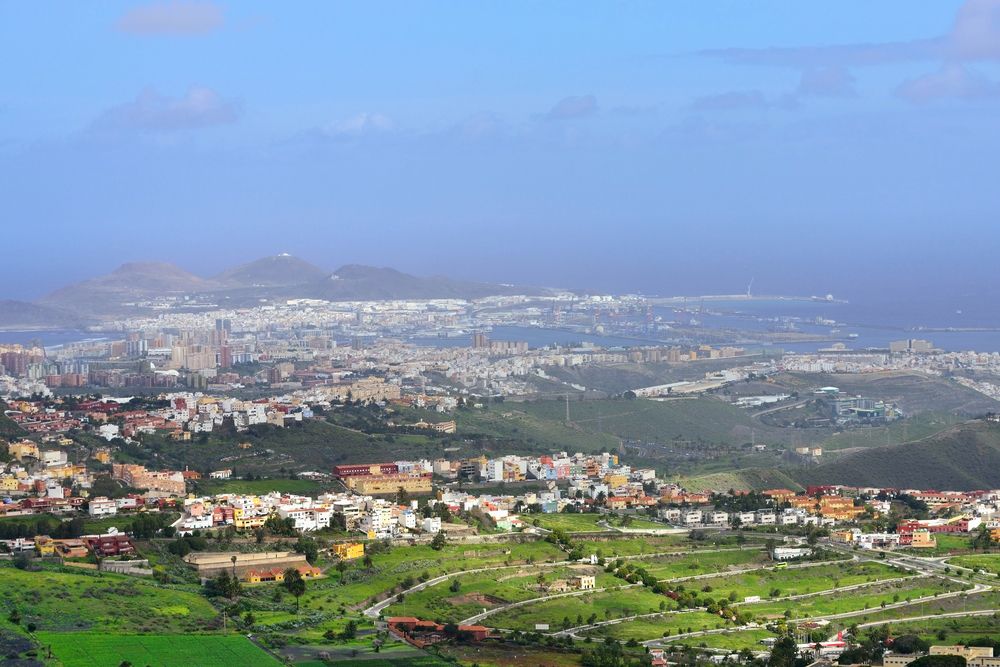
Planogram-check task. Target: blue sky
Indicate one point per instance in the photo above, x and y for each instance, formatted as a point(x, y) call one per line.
point(824, 146)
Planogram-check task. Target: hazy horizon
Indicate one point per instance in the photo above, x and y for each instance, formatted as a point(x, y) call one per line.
point(684, 148)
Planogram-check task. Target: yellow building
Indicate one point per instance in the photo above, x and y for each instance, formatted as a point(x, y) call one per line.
point(244, 521)
point(614, 481)
point(369, 485)
point(8, 483)
point(846, 536)
point(348, 550)
point(44, 545)
point(21, 449)
point(923, 539)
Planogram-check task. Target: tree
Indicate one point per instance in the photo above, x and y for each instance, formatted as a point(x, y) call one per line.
point(455, 586)
point(784, 653)
point(294, 584)
point(350, 630)
point(308, 547)
point(227, 585)
point(439, 541)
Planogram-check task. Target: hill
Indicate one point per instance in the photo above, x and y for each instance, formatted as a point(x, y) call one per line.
point(24, 315)
point(964, 457)
point(135, 280)
point(8, 428)
point(355, 281)
point(748, 479)
point(277, 271)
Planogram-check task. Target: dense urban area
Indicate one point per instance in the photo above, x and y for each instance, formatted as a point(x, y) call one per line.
point(431, 481)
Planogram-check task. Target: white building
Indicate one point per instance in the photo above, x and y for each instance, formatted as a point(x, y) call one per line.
point(102, 506)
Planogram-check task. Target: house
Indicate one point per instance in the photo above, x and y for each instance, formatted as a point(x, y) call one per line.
point(221, 474)
point(348, 550)
point(102, 506)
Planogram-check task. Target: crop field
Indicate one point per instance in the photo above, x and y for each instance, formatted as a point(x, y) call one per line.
point(604, 605)
point(672, 567)
point(393, 568)
point(987, 562)
point(75, 601)
point(487, 590)
point(83, 649)
point(509, 656)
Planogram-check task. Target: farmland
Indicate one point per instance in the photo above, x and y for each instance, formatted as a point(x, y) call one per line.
point(75, 601)
point(571, 523)
point(82, 649)
point(671, 567)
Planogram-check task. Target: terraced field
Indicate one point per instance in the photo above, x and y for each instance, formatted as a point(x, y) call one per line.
point(392, 569)
point(986, 562)
point(487, 590)
point(848, 601)
point(604, 605)
point(672, 567)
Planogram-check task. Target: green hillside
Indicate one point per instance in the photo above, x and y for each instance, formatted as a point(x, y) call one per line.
point(702, 419)
point(962, 458)
point(748, 479)
point(8, 429)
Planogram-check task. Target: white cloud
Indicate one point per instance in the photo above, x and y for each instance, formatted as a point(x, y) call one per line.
point(573, 107)
point(361, 124)
point(956, 81)
point(152, 112)
point(830, 81)
point(176, 17)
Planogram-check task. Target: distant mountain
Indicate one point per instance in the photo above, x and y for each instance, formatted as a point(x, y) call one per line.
point(17, 315)
point(358, 282)
point(124, 290)
point(278, 271)
point(966, 457)
point(109, 294)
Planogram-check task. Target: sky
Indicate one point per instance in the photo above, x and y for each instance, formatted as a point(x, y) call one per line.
point(842, 146)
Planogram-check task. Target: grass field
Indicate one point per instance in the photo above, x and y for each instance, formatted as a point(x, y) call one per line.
point(606, 605)
point(700, 419)
point(955, 630)
point(670, 567)
point(866, 598)
point(530, 431)
point(83, 649)
point(747, 479)
point(988, 562)
point(571, 523)
point(488, 589)
point(74, 601)
point(796, 581)
point(642, 629)
point(390, 569)
point(946, 544)
point(734, 641)
point(634, 546)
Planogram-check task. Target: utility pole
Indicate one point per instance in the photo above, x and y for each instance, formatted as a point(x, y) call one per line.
point(567, 408)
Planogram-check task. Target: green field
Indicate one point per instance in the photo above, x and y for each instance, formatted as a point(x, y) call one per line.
point(81, 600)
point(946, 544)
point(525, 431)
point(359, 584)
point(988, 562)
point(956, 630)
point(606, 605)
point(746, 479)
point(866, 598)
point(700, 419)
point(83, 649)
point(642, 629)
point(671, 567)
point(571, 523)
point(796, 581)
point(488, 589)
point(635, 545)
point(734, 641)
